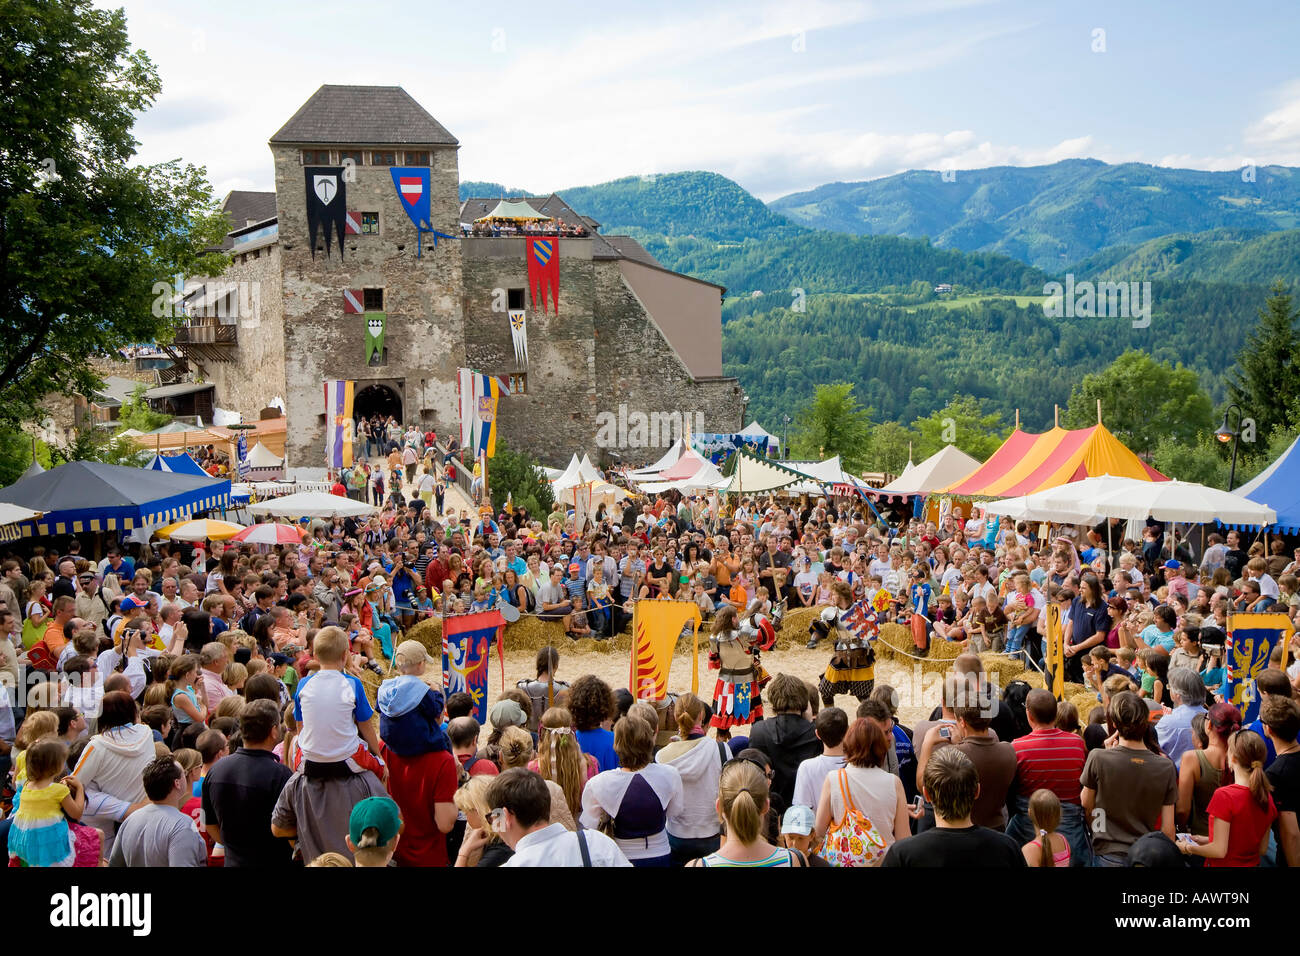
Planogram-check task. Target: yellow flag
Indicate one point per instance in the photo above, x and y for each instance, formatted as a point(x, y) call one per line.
point(656, 625)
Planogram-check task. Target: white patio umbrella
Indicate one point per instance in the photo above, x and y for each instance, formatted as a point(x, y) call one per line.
point(313, 504)
point(1180, 501)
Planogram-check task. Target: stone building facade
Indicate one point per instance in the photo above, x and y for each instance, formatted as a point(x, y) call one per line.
point(627, 332)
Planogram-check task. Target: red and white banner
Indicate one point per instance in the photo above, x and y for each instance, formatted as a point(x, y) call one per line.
point(352, 299)
point(352, 223)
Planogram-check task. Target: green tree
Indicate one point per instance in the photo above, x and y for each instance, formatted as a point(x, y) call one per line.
point(1266, 379)
point(1142, 402)
point(1198, 460)
point(889, 447)
point(84, 235)
point(16, 454)
point(833, 424)
point(964, 423)
point(135, 413)
point(517, 475)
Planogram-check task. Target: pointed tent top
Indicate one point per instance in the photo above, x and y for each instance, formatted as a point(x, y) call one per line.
point(512, 210)
point(35, 468)
point(755, 430)
point(940, 470)
point(259, 456)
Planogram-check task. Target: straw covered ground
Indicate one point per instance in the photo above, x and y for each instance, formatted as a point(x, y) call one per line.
point(918, 682)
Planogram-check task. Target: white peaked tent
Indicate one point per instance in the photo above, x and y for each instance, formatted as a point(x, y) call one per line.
point(945, 467)
point(263, 464)
point(755, 430)
point(754, 475)
point(505, 209)
point(707, 477)
point(669, 459)
point(584, 473)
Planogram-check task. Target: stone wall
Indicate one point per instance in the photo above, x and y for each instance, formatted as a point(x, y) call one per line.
point(637, 368)
point(425, 329)
point(552, 419)
point(600, 351)
point(256, 375)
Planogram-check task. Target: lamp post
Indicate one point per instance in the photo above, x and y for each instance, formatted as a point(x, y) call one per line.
point(1225, 434)
point(785, 436)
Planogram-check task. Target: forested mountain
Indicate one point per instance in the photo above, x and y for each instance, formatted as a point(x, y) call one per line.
point(869, 313)
point(1221, 255)
point(908, 360)
point(1052, 215)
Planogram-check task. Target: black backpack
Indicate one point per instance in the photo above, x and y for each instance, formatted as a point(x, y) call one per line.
point(1014, 697)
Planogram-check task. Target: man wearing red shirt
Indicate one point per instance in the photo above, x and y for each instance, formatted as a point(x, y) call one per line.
point(421, 768)
point(339, 488)
point(434, 574)
point(1052, 759)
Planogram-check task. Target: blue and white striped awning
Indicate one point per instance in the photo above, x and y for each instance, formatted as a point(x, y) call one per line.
point(88, 496)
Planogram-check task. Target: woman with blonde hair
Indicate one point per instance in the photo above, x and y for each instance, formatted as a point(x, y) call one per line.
point(694, 831)
point(481, 846)
point(741, 804)
point(516, 750)
point(560, 759)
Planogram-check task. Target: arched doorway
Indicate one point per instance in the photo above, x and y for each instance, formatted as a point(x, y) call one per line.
point(377, 400)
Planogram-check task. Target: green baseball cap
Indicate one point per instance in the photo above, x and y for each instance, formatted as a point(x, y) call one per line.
point(378, 812)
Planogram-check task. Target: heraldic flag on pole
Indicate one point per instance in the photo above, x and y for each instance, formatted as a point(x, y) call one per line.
point(543, 257)
point(338, 424)
point(466, 640)
point(1250, 643)
point(479, 395)
point(656, 626)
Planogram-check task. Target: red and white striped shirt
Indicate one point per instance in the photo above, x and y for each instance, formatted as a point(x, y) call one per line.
point(1052, 759)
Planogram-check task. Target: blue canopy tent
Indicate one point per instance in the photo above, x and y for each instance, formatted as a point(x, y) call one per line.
point(181, 464)
point(1278, 486)
point(84, 496)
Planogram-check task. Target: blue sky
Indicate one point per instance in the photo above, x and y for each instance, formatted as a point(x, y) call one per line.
point(780, 97)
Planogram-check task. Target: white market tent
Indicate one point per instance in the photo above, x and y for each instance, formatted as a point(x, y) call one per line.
point(945, 467)
point(821, 474)
point(312, 504)
point(755, 430)
point(754, 475)
point(584, 473)
point(669, 459)
point(512, 210)
point(706, 477)
point(1107, 496)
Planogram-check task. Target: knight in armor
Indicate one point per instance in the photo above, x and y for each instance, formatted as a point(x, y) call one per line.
point(852, 668)
point(734, 648)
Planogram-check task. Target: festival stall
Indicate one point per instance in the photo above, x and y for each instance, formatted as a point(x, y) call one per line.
point(11, 520)
point(263, 464)
point(1277, 486)
point(181, 464)
point(946, 466)
point(90, 496)
point(1026, 463)
point(755, 475)
point(651, 473)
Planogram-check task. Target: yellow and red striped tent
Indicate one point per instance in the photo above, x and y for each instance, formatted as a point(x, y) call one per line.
point(1026, 463)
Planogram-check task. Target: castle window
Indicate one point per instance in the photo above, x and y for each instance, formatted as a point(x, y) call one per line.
point(383, 158)
point(514, 298)
point(370, 224)
point(372, 300)
point(357, 157)
point(518, 383)
point(315, 157)
point(420, 158)
point(380, 357)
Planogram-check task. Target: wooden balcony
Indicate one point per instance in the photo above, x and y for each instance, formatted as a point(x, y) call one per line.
point(207, 340)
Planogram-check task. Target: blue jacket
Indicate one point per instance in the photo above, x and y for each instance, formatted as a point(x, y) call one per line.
point(410, 717)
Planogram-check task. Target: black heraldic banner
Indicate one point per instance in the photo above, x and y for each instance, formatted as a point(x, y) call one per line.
point(326, 205)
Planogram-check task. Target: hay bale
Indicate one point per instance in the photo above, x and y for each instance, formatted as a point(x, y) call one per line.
point(1084, 702)
point(794, 627)
point(896, 644)
point(1006, 668)
point(1031, 677)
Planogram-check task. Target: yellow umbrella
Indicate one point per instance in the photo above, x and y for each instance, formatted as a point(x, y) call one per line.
point(200, 529)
